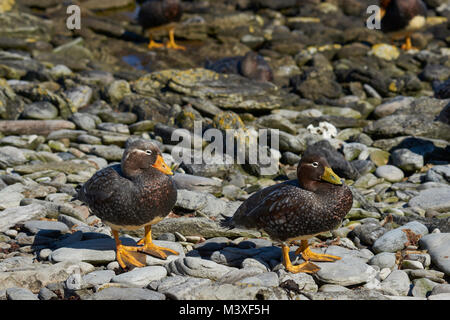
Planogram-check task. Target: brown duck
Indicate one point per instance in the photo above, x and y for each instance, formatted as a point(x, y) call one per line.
point(317, 201)
point(400, 18)
point(161, 14)
point(136, 193)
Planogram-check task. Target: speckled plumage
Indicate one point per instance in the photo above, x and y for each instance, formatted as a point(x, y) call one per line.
point(129, 197)
point(295, 208)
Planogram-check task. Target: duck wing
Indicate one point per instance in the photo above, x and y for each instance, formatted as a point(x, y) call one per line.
point(274, 205)
point(103, 189)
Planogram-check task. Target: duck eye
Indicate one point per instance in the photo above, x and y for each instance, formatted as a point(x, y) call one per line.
point(315, 164)
point(149, 152)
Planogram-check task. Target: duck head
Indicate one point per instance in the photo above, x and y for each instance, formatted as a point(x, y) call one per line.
point(141, 155)
point(314, 172)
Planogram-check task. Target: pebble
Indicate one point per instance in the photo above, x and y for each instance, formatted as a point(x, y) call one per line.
point(383, 260)
point(345, 272)
point(46, 294)
point(422, 287)
point(140, 277)
point(20, 294)
point(266, 279)
point(389, 173)
point(407, 160)
point(395, 240)
point(85, 255)
point(98, 277)
point(397, 283)
point(304, 281)
point(42, 226)
point(42, 110)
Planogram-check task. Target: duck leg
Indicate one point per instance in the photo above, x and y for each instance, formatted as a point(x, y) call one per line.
point(152, 44)
point(128, 256)
point(151, 248)
point(171, 44)
point(307, 266)
point(308, 255)
point(407, 45)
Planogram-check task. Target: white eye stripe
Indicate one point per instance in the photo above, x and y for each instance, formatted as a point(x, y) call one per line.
point(149, 152)
point(315, 164)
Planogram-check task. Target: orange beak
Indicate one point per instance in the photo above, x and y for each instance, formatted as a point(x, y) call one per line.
point(162, 166)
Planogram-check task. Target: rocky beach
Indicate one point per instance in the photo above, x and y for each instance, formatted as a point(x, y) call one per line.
point(71, 98)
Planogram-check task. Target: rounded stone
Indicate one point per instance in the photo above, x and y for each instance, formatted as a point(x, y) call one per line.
point(389, 173)
point(141, 277)
point(42, 110)
point(397, 283)
point(383, 260)
point(407, 160)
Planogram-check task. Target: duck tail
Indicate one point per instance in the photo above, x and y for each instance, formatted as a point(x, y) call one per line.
point(227, 222)
point(77, 196)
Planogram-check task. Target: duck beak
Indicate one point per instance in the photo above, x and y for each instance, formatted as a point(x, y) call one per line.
point(162, 166)
point(330, 176)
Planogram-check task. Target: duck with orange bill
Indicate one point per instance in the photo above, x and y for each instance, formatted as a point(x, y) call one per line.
point(137, 193)
point(315, 202)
